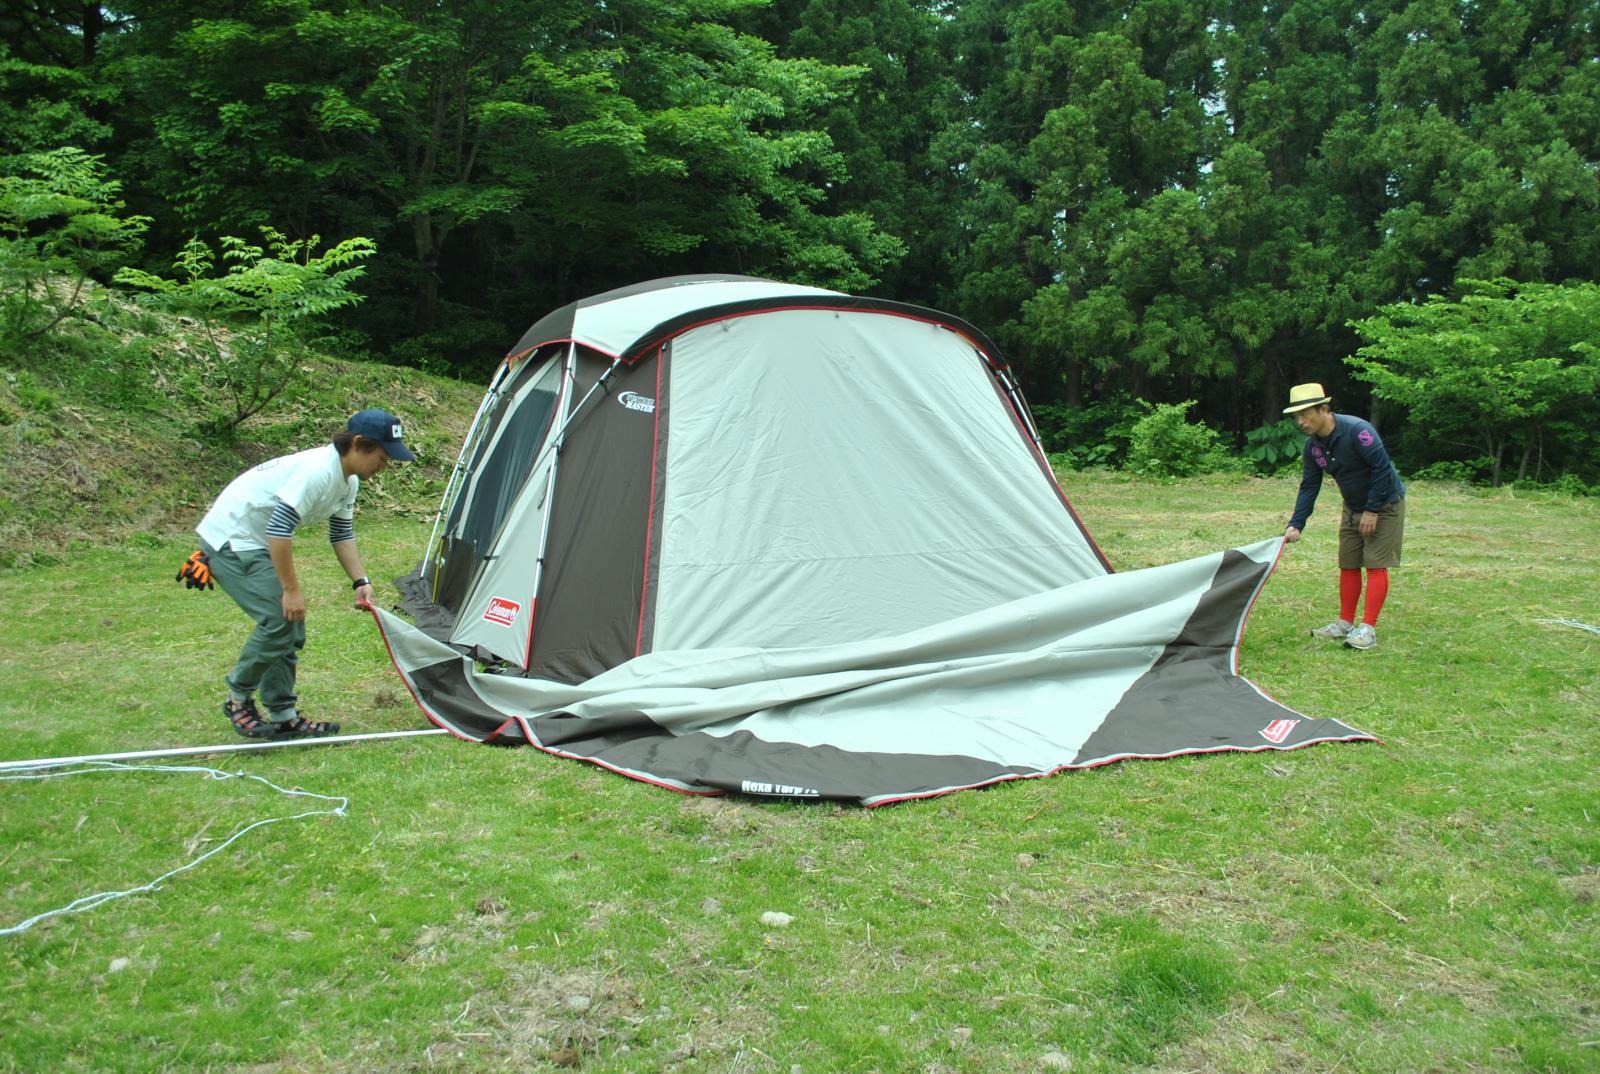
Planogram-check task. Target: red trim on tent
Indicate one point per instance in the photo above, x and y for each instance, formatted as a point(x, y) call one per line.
point(1011, 402)
point(1102, 762)
point(650, 517)
point(433, 717)
point(524, 352)
point(822, 308)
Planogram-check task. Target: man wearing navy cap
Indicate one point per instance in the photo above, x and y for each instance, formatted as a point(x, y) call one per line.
point(247, 538)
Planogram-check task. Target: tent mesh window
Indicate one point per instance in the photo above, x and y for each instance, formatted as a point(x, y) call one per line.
point(514, 432)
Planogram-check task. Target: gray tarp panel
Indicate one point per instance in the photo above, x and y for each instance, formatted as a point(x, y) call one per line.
point(865, 484)
point(1140, 664)
point(587, 618)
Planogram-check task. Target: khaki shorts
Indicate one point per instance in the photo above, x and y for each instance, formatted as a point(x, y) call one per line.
point(1382, 549)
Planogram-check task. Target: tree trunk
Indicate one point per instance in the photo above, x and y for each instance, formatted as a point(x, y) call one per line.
point(1272, 394)
point(1074, 382)
point(94, 23)
point(427, 309)
point(1497, 451)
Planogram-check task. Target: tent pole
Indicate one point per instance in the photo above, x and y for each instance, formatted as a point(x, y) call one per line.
point(232, 747)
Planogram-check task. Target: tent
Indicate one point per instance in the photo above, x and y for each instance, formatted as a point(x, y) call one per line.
point(726, 534)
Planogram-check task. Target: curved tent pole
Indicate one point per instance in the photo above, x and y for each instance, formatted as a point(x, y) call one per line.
point(1015, 395)
point(452, 487)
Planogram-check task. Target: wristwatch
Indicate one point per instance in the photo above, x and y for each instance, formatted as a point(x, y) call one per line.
point(359, 582)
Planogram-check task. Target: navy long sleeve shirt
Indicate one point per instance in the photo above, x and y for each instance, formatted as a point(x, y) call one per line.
point(1354, 455)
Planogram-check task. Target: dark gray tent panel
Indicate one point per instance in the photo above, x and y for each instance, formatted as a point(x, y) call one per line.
point(726, 534)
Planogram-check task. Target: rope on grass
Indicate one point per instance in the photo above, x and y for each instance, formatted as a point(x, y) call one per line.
point(59, 769)
point(1571, 623)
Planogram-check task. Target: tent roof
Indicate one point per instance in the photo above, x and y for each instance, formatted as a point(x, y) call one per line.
point(629, 321)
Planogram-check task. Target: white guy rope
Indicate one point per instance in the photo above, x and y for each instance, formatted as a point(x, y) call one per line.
point(231, 747)
point(58, 769)
point(1571, 623)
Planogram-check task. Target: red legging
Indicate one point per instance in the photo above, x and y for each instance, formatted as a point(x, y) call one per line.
point(1350, 593)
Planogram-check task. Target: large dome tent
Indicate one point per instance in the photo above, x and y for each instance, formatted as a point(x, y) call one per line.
point(729, 534)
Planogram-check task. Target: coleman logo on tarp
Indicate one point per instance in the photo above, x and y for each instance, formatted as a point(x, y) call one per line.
point(502, 611)
point(751, 786)
point(634, 401)
point(1278, 730)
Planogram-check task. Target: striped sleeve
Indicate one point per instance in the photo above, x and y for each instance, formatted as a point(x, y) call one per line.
point(341, 529)
point(283, 521)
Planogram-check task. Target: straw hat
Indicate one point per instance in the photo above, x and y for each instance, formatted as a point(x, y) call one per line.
point(1305, 396)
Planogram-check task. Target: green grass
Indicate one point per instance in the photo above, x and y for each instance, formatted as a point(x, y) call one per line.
point(1427, 903)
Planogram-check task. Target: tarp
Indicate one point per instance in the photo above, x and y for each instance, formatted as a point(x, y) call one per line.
point(1138, 664)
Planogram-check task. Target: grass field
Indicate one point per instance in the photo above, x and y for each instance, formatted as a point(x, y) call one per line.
point(1430, 903)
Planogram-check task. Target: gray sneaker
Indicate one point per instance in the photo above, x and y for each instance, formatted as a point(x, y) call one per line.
point(1333, 631)
point(1362, 637)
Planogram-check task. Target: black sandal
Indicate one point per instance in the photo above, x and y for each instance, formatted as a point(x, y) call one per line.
point(300, 727)
point(246, 718)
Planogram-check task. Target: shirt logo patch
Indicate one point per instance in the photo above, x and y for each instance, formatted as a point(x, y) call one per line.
point(502, 611)
point(1366, 437)
point(1278, 730)
point(1319, 456)
point(634, 401)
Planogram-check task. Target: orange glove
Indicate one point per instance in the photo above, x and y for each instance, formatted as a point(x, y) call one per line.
point(196, 572)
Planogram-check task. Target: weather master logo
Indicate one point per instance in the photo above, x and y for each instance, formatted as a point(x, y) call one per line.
point(502, 611)
point(1278, 730)
point(634, 401)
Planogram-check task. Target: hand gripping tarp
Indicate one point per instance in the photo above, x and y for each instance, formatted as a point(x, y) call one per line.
point(1138, 664)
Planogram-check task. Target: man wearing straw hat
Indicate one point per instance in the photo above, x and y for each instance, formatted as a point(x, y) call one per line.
point(1373, 519)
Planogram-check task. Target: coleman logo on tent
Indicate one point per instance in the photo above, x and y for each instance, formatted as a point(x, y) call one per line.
point(634, 401)
point(504, 611)
point(1278, 730)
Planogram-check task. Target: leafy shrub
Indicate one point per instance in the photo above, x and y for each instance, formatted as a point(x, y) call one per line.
point(1453, 470)
point(257, 316)
point(1270, 448)
point(1573, 485)
point(60, 222)
point(1568, 484)
point(1164, 443)
point(1095, 434)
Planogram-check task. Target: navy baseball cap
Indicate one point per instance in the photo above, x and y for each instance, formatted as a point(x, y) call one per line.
point(382, 426)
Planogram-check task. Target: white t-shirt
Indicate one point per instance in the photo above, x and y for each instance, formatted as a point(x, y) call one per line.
point(312, 482)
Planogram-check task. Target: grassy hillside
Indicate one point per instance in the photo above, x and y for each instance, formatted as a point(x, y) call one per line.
point(97, 446)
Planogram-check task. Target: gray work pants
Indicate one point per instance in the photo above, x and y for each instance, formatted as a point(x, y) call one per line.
point(272, 652)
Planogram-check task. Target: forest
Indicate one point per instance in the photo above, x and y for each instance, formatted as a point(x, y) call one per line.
point(1144, 202)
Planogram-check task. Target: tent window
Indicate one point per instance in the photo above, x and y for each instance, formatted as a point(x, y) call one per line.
point(508, 458)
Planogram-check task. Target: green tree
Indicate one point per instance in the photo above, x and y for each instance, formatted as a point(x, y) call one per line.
point(61, 224)
point(1085, 151)
point(256, 316)
point(508, 155)
point(880, 126)
point(1483, 137)
point(1286, 232)
point(1497, 366)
